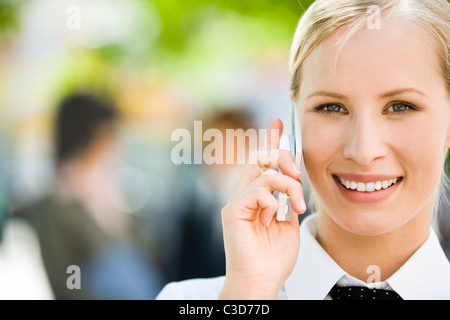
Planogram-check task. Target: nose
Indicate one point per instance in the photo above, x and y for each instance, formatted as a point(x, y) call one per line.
point(364, 143)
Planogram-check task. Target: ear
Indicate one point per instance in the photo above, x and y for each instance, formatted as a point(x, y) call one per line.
point(292, 97)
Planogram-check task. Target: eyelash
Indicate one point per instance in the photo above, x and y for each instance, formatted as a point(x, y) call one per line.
point(409, 107)
point(322, 108)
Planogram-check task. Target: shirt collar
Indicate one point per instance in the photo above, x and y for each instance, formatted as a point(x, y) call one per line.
point(426, 275)
point(315, 272)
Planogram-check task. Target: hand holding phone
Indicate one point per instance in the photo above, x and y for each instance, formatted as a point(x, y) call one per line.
point(258, 269)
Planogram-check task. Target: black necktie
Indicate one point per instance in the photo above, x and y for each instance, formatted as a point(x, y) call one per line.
point(362, 293)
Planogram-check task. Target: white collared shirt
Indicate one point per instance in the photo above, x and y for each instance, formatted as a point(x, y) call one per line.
point(426, 274)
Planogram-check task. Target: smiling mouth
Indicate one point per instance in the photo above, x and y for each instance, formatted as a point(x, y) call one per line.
point(368, 186)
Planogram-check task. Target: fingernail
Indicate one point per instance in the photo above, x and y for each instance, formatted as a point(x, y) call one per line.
point(302, 204)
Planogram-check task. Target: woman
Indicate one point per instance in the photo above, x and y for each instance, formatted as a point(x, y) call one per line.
point(371, 82)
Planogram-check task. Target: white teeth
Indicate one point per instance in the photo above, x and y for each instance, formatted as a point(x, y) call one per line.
point(361, 187)
point(368, 187)
point(378, 185)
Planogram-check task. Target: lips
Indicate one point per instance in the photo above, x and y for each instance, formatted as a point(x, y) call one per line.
point(367, 189)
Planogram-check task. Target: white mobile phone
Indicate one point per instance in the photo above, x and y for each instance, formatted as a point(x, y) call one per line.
point(293, 143)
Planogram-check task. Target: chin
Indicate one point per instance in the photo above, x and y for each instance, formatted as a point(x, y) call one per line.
point(368, 222)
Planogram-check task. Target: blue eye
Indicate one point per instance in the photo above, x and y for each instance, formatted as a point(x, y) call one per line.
point(400, 107)
point(331, 108)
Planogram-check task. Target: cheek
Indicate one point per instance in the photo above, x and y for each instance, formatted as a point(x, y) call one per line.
point(423, 137)
point(419, 149)
point(322, 143)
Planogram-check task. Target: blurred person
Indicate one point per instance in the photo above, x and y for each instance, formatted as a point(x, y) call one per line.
point(79, 227)
point(206, 189)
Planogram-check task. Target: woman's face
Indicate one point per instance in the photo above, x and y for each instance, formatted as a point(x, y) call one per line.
point(377, 121)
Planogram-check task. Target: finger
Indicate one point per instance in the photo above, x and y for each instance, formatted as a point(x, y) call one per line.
point(260, 160)
point(268, 204)
point(286, 163)
point(265, 159)
point(256, 199)
point(274, 159)
point(275, 181)
point(274, 134)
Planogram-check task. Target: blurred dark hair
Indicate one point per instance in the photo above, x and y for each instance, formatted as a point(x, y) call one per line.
point(229, 118)
point(78, 120)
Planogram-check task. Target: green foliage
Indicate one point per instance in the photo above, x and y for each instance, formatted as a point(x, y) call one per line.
point(182, 20)
point(174, 37)
point(9, 23)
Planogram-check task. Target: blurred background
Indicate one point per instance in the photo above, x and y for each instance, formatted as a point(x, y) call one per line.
point(115, 204)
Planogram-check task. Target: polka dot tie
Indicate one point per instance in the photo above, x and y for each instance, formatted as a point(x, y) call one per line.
point(362, 293)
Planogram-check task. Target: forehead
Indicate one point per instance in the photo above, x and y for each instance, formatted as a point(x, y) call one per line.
point(399, 54)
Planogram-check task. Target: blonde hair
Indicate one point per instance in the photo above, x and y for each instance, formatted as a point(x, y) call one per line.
point(325, 17)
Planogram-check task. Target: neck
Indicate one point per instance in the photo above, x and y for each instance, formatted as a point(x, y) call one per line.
point(373, 258)
point(74, 178)
point(89, 182)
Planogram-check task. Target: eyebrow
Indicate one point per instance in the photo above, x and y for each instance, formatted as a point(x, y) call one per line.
point(384, 95)
point(400, 91)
